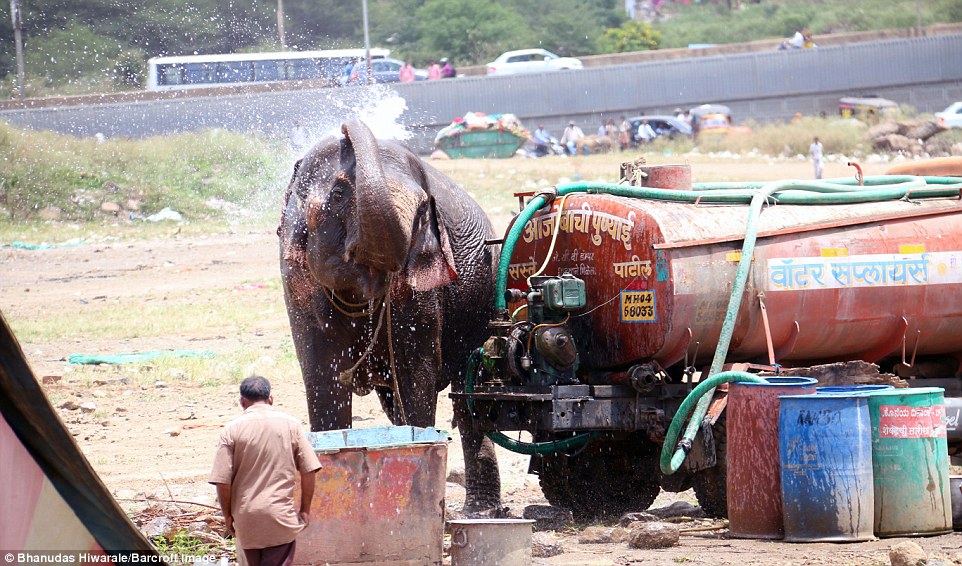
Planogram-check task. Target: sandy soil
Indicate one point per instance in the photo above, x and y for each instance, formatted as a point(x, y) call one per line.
point(156, 440)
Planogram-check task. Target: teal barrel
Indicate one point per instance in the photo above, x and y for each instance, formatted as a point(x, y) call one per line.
point(826, 467)
point(911, 462)
point(754, 495)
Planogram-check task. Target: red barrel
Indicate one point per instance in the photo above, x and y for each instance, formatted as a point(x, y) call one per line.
point(754, 468)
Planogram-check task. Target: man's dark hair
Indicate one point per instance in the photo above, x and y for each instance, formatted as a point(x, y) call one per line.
point(255, 388)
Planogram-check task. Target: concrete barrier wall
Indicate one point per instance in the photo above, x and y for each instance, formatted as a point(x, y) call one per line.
point(925, 72)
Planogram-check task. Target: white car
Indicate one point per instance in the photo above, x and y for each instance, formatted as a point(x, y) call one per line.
point(951, 117)
point(530, 61)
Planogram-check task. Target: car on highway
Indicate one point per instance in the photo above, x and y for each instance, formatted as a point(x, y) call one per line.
point(530, 61)
point(384, 70)
point(951, 117)
point(663, 125)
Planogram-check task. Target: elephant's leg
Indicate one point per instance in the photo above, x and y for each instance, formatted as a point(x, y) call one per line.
point(321, 360)
point(482, 478)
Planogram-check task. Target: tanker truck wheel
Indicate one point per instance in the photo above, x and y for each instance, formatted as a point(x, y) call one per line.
point(711, 484)
point(605, 480)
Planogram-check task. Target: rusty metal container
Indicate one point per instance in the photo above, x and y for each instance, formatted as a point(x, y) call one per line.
point(836, 281)
point(378, 498)
point(754, 471)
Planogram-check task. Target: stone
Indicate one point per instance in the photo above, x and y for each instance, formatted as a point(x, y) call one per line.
point(133, 205)
point(50, 379)
point(199, 527)
point(907, 553)
point(456, 476)
point(678, 509)
point(160, 385)
point(548, 517)
point(653, 535)
point(50, 213)
point(543, 545)
point(599, 534)
point(69, 405)
point(172, 432)
point(158, 527)
point(636, 517)
point(88, 407)
point(110, 207)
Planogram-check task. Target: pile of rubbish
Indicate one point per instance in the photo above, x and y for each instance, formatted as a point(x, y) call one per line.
point(479, 121)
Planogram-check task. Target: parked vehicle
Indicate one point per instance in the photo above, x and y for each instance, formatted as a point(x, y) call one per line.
point(710, 119)
point(530, 61)
point(612, 300)
point(663, 125)
point(866, 108)
point(384, 71)
point(951, 117)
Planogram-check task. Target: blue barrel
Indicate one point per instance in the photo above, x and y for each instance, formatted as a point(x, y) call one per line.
point(826, 457)
point(911, 460)
point(850, 389)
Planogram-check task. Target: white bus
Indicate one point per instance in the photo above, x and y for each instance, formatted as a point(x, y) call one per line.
point(198, 71)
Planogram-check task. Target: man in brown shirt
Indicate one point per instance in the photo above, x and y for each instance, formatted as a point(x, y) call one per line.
point(255, 468)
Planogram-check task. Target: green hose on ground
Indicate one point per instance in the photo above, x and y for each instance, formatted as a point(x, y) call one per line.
point(502, 440)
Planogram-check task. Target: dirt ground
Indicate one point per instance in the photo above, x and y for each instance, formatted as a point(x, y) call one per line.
point(148, 439)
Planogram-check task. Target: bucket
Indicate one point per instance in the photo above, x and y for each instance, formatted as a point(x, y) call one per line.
point(826, 461)
point(378, 497)
point(911, 462)
point(487, 542)
point(754, 473)
point(955, 486)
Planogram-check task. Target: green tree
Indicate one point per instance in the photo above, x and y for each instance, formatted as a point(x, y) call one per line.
point(470, 32)
point(630, 36)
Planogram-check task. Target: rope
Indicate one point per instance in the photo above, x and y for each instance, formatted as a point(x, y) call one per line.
point(334, 299)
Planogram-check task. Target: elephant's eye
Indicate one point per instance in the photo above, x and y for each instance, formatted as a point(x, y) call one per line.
point(337, 193)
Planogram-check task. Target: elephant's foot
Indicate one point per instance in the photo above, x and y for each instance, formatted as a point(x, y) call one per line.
point(484, 511)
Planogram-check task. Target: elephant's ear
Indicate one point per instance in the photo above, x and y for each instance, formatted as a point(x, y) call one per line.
point(430, 261)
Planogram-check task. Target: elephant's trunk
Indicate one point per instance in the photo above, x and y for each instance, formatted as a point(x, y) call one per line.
point(382, 236)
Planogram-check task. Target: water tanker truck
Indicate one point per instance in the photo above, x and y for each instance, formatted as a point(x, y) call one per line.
point(614, 301)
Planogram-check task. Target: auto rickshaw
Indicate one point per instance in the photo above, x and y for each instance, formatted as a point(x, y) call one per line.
point(867, 108)
point(710, 119)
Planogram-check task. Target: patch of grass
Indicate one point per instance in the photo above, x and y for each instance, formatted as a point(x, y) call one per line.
point(715, 23)
point(182, 544)
point(211, 175)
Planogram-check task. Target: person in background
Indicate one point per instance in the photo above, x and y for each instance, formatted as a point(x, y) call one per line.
point(570, 138)
point(257, 462)
point(542, 141)
point(645, 132)
point(624, 134)
point(406, 73)
point(434, 71)
point(603, 129)
point(815, 152)
point(447, 71)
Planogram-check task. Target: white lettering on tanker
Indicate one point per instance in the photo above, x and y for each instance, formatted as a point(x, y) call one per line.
point(584, 220)
point(634, 268)
point(871, 270)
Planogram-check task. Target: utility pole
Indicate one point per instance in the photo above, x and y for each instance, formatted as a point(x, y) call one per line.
point(918, 18)
point(280, 24)
point(18, 39)
point(367, 44)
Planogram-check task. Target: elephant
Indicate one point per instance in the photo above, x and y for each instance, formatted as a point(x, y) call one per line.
point(388, 278)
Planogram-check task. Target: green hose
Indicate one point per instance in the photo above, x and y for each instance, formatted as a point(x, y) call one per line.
point(832, 191)
point(703, 391)
point(502, 440)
